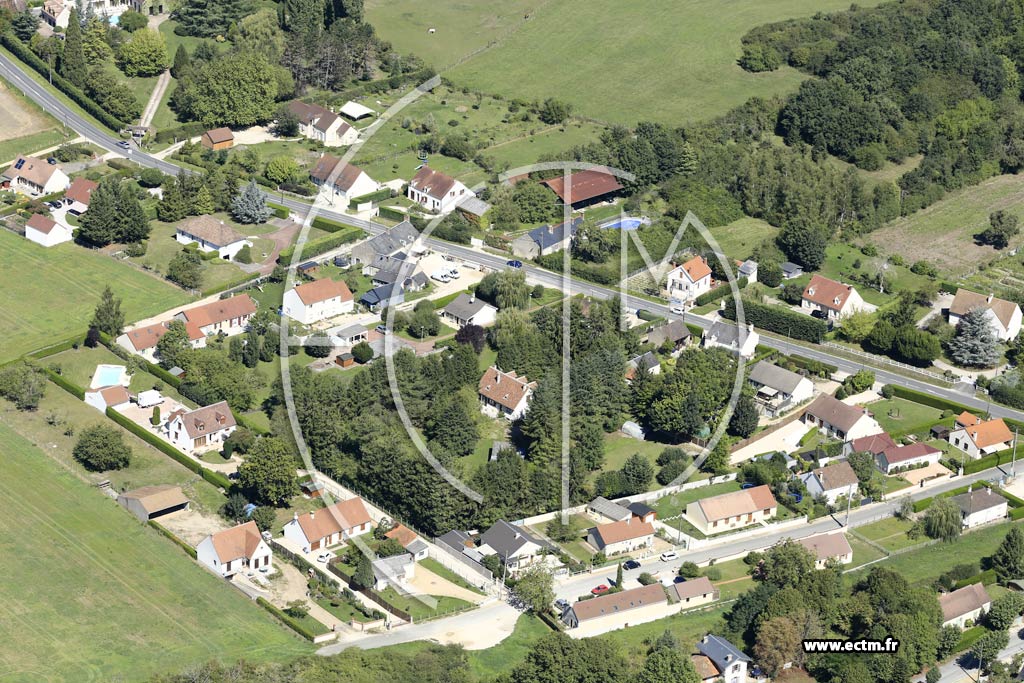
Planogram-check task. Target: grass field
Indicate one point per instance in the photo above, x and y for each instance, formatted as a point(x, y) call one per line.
point(50, 293)
point(105, 598)
point(738, 239)
point(889, 533)
point(900, 417)
point(670, 506)
point(24, 127)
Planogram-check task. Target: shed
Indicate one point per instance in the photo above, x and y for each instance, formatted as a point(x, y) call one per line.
point(218, 139)
point(345, 360)
point(355, 111)
point(308, 268)
point(312, 488)
point(150, 502)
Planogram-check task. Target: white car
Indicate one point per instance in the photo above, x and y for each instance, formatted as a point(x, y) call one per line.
point(454, 274)
point(677, 309)
point(324, 557)
point(669, 556)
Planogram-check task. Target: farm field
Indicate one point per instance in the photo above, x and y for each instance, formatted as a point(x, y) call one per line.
point(74, 278)
point(24, 128)
point(105, 597)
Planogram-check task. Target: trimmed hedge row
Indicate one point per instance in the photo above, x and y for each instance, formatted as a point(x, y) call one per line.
point(180, 543)
point(66, 384)
point(279, 211)
point(54, 349)
point(286, 620)
point(779, 320)
point(994, 460)
point(183, 132)
point(321, 245)
point(391, 214)
point(327, 225)
point(719, 292)
point(812, 365)
point(375, 196)
point(987, 577)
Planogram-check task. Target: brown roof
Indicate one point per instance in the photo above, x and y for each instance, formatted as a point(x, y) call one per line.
point(208, 419)
point(613, 603)
point(963, 601)
point(898, 454)
point(221, 310)
point(625, 530)
point(305, 112)
point(966, 419)
point(143, 338)
point(344, 179)
point(115, 395)
point(827, 293)
point(737, 503)
point(504, 388)
point(696, 268)
point(324, 123)
point(985, 434)
point(157, 498)
point(694, 588)
point(705, 667)
point(341, 516)
point(34, 170)
point(835, 412)
point(38, 221)
point(80, 190)
point(322, 290)
point(237, 542)
point(432, 183)
point(836, 476)
point(219, 135)
point(211, 230)
point(964, 301)
point(874, 444)
point(827, 546)
point(402, 534)
point(584, 185)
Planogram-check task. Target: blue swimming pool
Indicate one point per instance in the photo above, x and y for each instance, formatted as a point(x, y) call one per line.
point(624, 224)
point(107, 375)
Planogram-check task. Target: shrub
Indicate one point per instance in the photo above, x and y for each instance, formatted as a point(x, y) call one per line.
point(101, 448)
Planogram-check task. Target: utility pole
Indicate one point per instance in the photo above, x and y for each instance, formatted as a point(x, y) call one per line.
point(1013, 460)
point(849, 503)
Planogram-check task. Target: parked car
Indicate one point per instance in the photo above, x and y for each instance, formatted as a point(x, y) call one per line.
point(679, 579)
point(670, 555)
point(600, 590)
point(677, 309)
point(324, 557)
point(562, 604)
point(55, 205)
point(440, 277)
point(630, 564)
point(454, 274)
point(383, 329)
point(514, 264)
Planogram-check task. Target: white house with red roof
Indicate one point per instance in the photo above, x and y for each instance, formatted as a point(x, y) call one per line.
point(201, 429)
point(336, 524)
point(733, 510)
point(344, 181)
point(832, 300)
point(225, 316)
point(622, 537)
point(317, 300)
point(436, 191)
point(322, 124)
point(45, 231)
point(236, 549)
point(505, 393)
point(143, 340)
point(689, 280)
point(79, 194)
point(34, 177)
point(978, 438)
point(101, 398)
point(1004, 316)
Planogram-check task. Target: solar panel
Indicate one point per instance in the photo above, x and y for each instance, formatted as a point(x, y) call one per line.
point(19, 164)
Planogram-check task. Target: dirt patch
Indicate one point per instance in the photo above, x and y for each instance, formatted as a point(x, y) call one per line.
point(426, 581)
point(19, 119)
point(191, 526)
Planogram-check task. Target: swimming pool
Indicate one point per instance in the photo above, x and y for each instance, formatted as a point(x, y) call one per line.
point(108, 376)
point(624, 224)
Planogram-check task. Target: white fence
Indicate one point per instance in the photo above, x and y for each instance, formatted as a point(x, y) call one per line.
point(882, 360)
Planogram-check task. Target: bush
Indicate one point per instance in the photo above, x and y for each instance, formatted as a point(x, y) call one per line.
point(362, 353)
point(689, 570)
point(719, 292)
point(322, 244)
point(646, 579)
point(102, 448)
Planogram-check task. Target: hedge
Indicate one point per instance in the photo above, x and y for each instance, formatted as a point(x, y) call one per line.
point(940, 403)
point(279, 211)
point(322, 244)
point(383, 193)
point(66, 384)
point(285, 619)
point(987, 577)
point(184, 132)
point(55, 348)
point(184, 546)
point(812, 365)
point(994, 460)
point(391, 214)
point(328, 225)
point(779, 320)
point(719, 292)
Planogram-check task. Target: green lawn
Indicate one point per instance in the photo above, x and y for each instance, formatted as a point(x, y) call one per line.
point(688, 628)
point(79, 365)
point(419, 609)
point(447, 574)
point(105, 598)
point(738, 239)
point(900, 417)
point(863, 552)
point(25, 128)
point(889, 533)
point(36, 315)
point(675, 504)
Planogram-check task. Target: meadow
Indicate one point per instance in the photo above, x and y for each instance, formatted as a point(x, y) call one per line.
point(25, 127)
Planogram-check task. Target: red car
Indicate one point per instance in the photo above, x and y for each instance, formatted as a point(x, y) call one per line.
point(600, 590)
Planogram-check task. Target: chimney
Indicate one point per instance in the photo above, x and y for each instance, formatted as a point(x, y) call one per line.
point(497, 376)
point(750, 327)
point(311, 515)
point(989, 298)
point(472, 299)
point(295, 516)
point(728, 658)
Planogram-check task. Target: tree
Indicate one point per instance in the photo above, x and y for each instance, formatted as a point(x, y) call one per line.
point(1008, 560)
point(25, 24)
point(251, 350)
point(144, 54)
point(975, 344)
point(265, 518)
point(268, 472)
point(915, 346)
point(186, 269)
point(857, 326)
point(744, 418)
point(234, 508)
point(1004, 611)
point(534, 202)
point(1002, 228)
point(637, 473)
point(804, 244)
point(511, 289)
point(72, 63)
point(454, 429)
point(23, 385)
point(777, 644)
point(202, 203)
point(316, 349)
point(769, 274)
point(208, 18)
point(281, 168)
point(363, 577)
point(988, 646)
point(286, 123)
point(362, 353)
point(260, 32)
point(237, 90)
point(92, 337)
point(101, 223)
point(942, 520)
point(174, 345)
point(389, 548)
point(132, 21)
point(250, 206)
point(667, 665)
point(554, 111)
point(785, 564)
point(473, 335)
point(101, 448)
point(95, 47)
point(132, 223)
point(535, 587)
point(182, 66)
point(108, 316)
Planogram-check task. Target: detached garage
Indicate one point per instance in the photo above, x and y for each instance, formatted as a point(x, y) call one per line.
point(150, 502)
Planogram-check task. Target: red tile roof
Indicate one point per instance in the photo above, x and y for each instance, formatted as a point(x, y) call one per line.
point(874, 444)
point(38, 221)
point(219, 135)
point(737, 503)
point(584, 185)
point(342, 516)
point(696, 268)
point(143, 338)
point(432, 183)
point(827, 293)
point(81, 190)
point(625, 530)
point(506, 389)
point(322, 290)
point(237, 542)
point(221, 310)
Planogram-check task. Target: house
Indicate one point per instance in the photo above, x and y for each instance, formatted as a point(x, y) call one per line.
point(416, 546)
point(515, 547)
point(727, 659)
point(211, 235)
point(344, 180)
point(143, 340)
point(695, 592)
point(827, 548)
point(58, 12)
point(642, 511)
point(732, 510)
point(778, 389)
point(791, 271)
point(980, 506)
point(79, 194)
point(386, 244)
point(839, 420)
point(617, 609)
point(321, 529)
point(34, 177)
point(393, 570)
point(318, 300)
point(218, 139)
point(585, 188)
point(831, 482)
point(382, 297)
point(896, 458)
point(688, 281)
point(747, 270)
point(978, 437)
point(414, 281)
point(355, 111)
point(437, 192)
point(45, 231)
point(875, 444)
point(737, 340)
point(226, 316)
point(674, 334)
point(964, 605)
point(236, 549)
point(467, 309)
point(203, 428)
point(102, 398)
point(150, 502)
point(460, 543)
point(505, 393)
point(323, 125)
point(601, 507)
point(648, 361)
point(350, 335)
point(831, 300)
point(621, 537)
point(546, 239)
point(1004, 316)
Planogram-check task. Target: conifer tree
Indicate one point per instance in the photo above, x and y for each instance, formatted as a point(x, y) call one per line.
point(250, 206)
point(72, 63)
point(133, 226)
point(203, 203)
point(108, 316)
point(975, 344)
point(100, 225)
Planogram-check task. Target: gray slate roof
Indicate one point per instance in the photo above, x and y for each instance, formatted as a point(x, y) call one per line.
point(549, 235)
point(775, 377)
point(977, 500)
point(674, 331)
point(474, 205)
point(465, 306)
point(648, 360)
point(607, 508)
point(506, 539)
point(720, 651)
point(724, 332)
point(394, 239)
point(789, 268)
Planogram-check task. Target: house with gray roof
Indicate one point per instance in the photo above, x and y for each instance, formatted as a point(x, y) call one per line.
point(980, 505)
point(736, 339)
point(381, 297)
point(728, 659)
point(547, 239)
point(613, 512)
point(778, 389)
point(394, 570)
point(513, 545)
point(839, 420)
point(398, 238)
point(412, 281)
point(647, 361)
point(467, 309)
point(791, 270)
point(674, 333)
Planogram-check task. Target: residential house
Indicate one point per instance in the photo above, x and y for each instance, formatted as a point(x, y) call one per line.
point(831, 482)
point(647, 361)
point(382, 297)
point(435, 191)
point(413, 281)
point(200, 429)
point(505, 393)
point(688, 281)
point(323, 125)
point(695, 592)
point(980, 506)
point(833, 547)
point(226, 316)
point(45, 231)
point(58, 12)
point(875, 444)
point(747, 270)
point(345, 181)
point(839, 420)
point(467, 309)
point(831, 300)
point(234, 550)
point(416, 546)
point(79, 194)
point(211, 235)
point(143, 340)
point(642, 511)
point(616, 610)
point(102, 398)
point(585, 188)
point(737, 340)
point(318, 300)
point(320, 529)
point(621, 537)
point(386, 244)
point(151, 502)
point(150, 7)
point(601, 507)
point(546, 239)
point(460, 543)
point(516, 548)
point(728, 660)
point(732, 510)
point(1004, 316)
point(978, 437)
point(355, 111)
point(34, 177)
point(393, 571)
point(218, 139)
point(897, 458)
point(778, 389)
point(674, 334)
point(791, 271)
point(963, 607)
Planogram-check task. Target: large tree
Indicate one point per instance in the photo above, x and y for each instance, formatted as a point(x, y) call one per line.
point(975, 344)
point(667, 665)
point(1001, 229)
point(108, 316)
point(637, 473)
point(1008, 560)
point(144, 54)
point(942, 520)
point(186, 269)
point(72, 63)
point(173, 347)
point(208, 18)
point(744, 418)
point(237, 89)
point(102, 448)
point(535, 587)
point(250, 206)
point(777, 644)
point(268, 472)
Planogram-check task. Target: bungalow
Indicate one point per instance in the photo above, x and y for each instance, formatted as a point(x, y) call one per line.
point(732, 510)
point(211, 235)
point(321, 529)
point(45, 231)
point(505, 393)
point(466, 309)
point(233, 550)
point(546, 239)
point(218, 139)
point(827, 548)
point(739, 341)
point(34, 177)
point(831, 300)
point(1004, 316)
point(674, 334)
point(695, 592)
point(142, 340)
point(382, 297)
point(647, 361)
point(747, 270)
point(343, 180)
point(688, 281)
point(606, 612)
point(621, 537)
point(102, 398)
point(778, 389)
point(200, 429)
point(416, 546)
point(839, 420)
point(978, 437)
point(150, 502)
point(513, 546)
point(895, 458)
point(317, 300)
point(393, 571)
point(791, 271)
point(832, 482)
point(585, 188)
point(79, 194)
point(226, 316)
point(437, 192)
point(875, 444)
point(399, 238)
point(601, 507)
point(980, 506)
point(964, 605)
point(319, 123)
point(725, 658)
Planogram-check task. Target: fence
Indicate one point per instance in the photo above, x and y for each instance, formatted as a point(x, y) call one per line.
point(453, 559)
point(369, 593)
point(933, 376)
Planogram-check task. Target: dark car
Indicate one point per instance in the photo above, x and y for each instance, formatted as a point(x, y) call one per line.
point(52, 161)
point(514, 264)
point(600, 590)
point(630, 564)
point(679, 579)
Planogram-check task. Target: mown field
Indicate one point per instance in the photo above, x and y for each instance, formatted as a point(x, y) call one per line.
point(24, 127)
